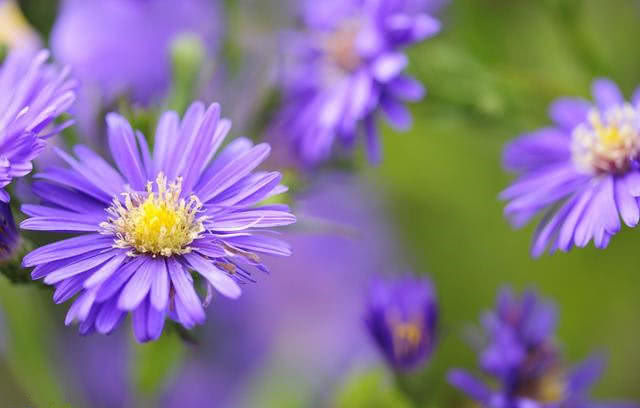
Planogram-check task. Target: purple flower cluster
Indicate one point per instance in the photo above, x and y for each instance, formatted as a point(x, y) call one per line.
point(33, 94)
point(582, 172)
point(146, 224)
point(525, 361)
point(402, 317)
point(346, 67)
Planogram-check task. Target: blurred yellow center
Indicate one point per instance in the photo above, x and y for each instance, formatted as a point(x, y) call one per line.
point(551, 389)
point(607, 142)
point(407, 335)
point(159, 223)
point(341, 46)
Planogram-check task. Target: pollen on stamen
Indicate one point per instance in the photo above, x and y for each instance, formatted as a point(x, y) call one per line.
point(159, 223)
point(607, 142)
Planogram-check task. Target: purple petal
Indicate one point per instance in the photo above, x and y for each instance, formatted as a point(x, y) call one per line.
point(397, 114)
point(160, 287)
point(78, 267)
point(406, 88)
point(139, 285)
point(234, 171)
point(218, 279)
point(124, 150)
point(185, 291)
point(389, 66)
point(569, 113)
point(108, 317)
point(66, 249)
point(606, 94)
point(139, 321)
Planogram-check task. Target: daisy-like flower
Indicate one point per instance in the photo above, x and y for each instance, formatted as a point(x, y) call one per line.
point(525, 361)
point(147, 224)
point(32, 95)
point(581, 173)
point(344, 69)
point(402, 317)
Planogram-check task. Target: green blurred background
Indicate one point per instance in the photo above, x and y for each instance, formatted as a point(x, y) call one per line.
point(490, 76)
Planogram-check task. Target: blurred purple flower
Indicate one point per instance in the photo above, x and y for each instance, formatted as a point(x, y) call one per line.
point(582, 172)
point(346, 67)
point(525, 361)
point(9, 236)
point(518, 330)
point(99, 370)
point(147, 225)
point(32, 96)
point(122, 47)
point(402, 318)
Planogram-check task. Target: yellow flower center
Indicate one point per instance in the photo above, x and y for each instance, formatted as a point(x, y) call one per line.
point(407, 335)
point(549, 388)
point(158, 222)
point(607, 142)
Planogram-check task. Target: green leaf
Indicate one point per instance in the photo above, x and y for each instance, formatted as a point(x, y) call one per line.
point(372, 389)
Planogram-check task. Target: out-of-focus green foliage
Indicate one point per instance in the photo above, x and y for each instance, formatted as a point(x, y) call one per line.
point(30, 345)
point(373, 389)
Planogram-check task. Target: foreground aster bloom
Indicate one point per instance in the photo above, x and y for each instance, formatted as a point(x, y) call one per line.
point(147, 225)
point(347, 67)
point(582, 172)
point(32, 95)
point(402, 317)
point(526, 363)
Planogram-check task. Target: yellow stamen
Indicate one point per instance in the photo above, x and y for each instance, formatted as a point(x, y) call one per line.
point(607, 142)
point(159, 223)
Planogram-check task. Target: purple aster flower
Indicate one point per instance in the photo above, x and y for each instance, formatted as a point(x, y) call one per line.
point(32, 95)
point(348, 66)
point(522, 356)
point(581, 172)
point(145, 226)
point(402, 317)
point(520, 334)
point(9, 237)
point(555, 388)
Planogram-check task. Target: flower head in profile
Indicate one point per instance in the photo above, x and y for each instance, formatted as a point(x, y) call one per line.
point(147, 224)
point(33, 94)
point(402, 318)
point(525, 362)
point(581, 173)
point(346, 68)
